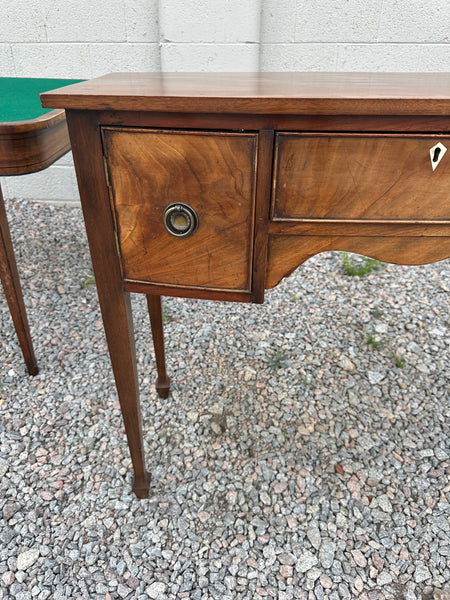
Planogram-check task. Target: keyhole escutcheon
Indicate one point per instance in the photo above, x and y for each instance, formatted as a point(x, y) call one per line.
point(437, 154)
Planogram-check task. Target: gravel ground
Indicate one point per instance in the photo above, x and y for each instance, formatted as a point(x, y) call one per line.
point(303, 452)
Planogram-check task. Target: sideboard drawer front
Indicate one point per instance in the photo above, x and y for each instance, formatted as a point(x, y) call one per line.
point(369, 177)
point(211, 172)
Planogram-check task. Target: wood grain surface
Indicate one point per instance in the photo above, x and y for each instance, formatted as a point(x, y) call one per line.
point(214, 173)
point(286, 253)
point(312, 93)
point(360, 177)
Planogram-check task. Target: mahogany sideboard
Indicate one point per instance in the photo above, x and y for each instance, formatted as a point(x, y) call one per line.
point(218, 185)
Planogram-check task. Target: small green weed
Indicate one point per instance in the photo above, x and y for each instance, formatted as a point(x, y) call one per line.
point(294, 298)
point(399, 363)
point(277, 361)
point(360, 266)
point(90, 280)
point(374, 342)
point(166, 317)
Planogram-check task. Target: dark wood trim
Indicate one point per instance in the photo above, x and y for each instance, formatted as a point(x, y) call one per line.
point(304, 123)
point(263, 187)
point(359, 227)
point(145, 287)
point(156, 321)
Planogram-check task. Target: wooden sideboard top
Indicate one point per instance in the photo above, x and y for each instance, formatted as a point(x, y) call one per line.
point(312, 93)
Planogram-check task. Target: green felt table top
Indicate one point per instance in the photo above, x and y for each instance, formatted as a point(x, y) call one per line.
point(19, 97)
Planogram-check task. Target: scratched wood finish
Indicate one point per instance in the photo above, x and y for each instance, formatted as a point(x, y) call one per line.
point(214, 173)
point(30, 146)
point(360, 177)
point(286, 253)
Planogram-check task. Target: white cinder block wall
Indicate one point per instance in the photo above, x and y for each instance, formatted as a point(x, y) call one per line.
point(83, 39)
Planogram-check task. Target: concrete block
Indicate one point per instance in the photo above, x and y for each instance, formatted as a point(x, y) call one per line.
point(52, 60)
point(22, 21)
point(210, 21)
point(210, 57)
point(415, 21)
point(278, 21)
point(110, 58)
point(55, 184)
point(77, 21)
point(298, 57)
point(337, 21)
point(6, 61)
point(393, 57)
point(141, 18)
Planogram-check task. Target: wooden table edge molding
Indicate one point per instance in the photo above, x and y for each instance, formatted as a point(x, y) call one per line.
point(33, 145)
point(238, 178)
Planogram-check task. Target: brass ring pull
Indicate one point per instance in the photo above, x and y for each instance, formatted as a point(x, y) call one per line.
point(180, 220)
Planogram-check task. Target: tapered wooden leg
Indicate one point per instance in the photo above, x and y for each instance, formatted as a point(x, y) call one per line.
point(118, 323)
point(114, 301)
point(156, 321)
point(13, 292)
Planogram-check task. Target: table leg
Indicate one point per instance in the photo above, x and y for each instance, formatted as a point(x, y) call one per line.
point(118, 324)
point(114, 301)
point(13, 292)
point(156, 321)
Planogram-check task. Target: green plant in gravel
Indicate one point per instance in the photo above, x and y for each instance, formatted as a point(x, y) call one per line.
point(277, 361)
point(399, 363)
point(374, 342)
point(359, 267)
point(90, 280)
point(166, 317)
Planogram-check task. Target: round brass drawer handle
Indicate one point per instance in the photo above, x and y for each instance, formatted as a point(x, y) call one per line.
point(180, 219)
